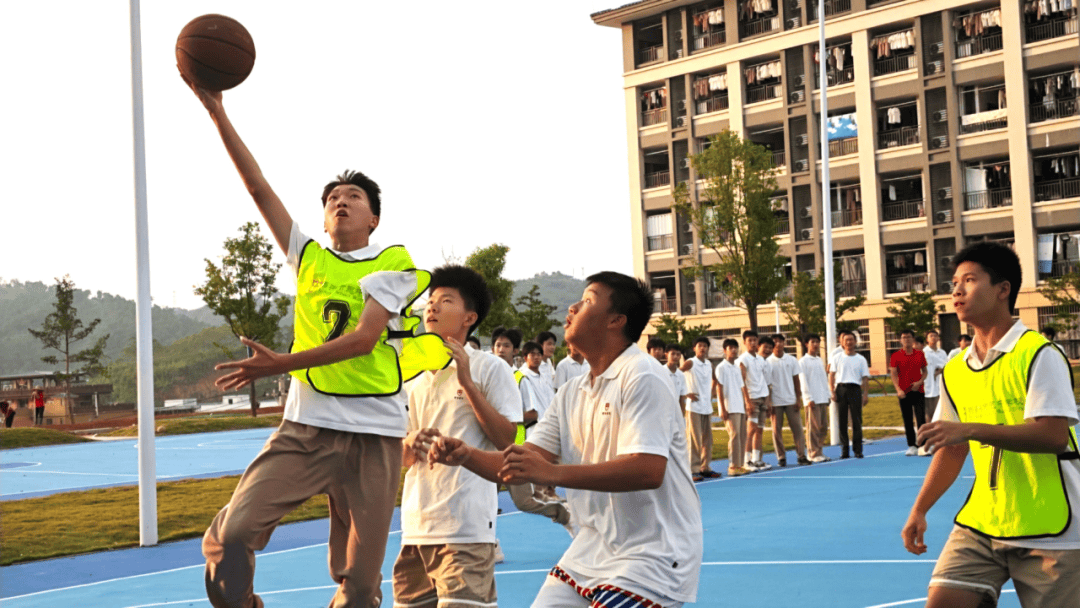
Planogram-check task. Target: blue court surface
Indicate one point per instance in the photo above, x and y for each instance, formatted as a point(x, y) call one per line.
point(824, 535)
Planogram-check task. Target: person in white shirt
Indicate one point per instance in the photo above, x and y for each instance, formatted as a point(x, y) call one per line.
point(849, 382)
point(699, 410)
point(448, 514)
point(935, 363)
point(657, 349)
point(475, 342)
point(815, 391)
point(622, 447)
point(787, 398)
point(678, 379)
point(547, 342)
point(754, 370)
point(965, 341)
point(1020, 518)
point(536, 391)
point(572, 366)
point(731, 397)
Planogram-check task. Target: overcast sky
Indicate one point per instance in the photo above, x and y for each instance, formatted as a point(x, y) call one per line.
point(483, 122)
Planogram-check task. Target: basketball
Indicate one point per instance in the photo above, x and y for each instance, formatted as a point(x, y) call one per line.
point(215, 52)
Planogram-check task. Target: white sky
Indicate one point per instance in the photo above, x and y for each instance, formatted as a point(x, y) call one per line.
point(482, 122)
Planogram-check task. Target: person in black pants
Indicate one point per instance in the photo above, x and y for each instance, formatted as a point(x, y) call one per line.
point(907, 367)
point(849, 381)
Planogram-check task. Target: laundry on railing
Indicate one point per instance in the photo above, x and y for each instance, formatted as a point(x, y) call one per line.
point(884, 45)
point(707, 86)
point(656, 98)
point(1042, 9)
point(986, 116)
point(764, 71)
point(748, 9)
point(977, 23)
point(705, 20)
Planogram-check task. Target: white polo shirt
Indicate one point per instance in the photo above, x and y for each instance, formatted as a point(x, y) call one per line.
point(678, 380)
point(442, 504)
point(547, 372)
point(935, 360)
point(653, 537)
point(699, 382)
point(813, 380)
point(568, 369)
point(783, 370)
point(757, 383)
point(850, 369)
point(1048, 394)
point(536, 393)
point(731, 383)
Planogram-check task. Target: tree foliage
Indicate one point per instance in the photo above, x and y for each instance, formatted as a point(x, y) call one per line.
point(242, 290)
point(1064, 294)
point(489, 262)
point(674, 330)
point(532, 314)
point(734, 219)
point(915, 311)
point(806, 306)
point(61, 330)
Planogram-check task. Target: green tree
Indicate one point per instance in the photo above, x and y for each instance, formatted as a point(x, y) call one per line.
point(1064, 294)
point(806, 306)
point(673, 330)
point(489, 262)
point(734, 219)
point(60, 331)
point(533, 315)
point(915, 311)
point(242, 291)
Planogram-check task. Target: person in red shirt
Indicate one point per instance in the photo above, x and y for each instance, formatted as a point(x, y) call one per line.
point(39, 406)
point(907, 367)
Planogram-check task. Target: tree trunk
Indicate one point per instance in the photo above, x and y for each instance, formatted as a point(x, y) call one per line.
point(254, 403)
point(69, 405)
point(751, 312)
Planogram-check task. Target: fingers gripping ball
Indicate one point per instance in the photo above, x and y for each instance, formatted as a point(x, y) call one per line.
point(215, 52)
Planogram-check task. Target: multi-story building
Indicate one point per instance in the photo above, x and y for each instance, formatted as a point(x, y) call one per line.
point(949, 122)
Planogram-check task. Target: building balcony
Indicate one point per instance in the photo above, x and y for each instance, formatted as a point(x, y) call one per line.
point(843, 147)
point(712, 104)
point(894, 64)
point(902, 210)
point(1050, 110)
point(779, 158)
point(657, 179)
point(978, 45)
point(1056, 190)
point(1060, 268)
point(835, 77)
point(764, 92)
point(904, 136)
point(847, 217)
point(709, 40)
point(905, 283)
point(759, 26)
point(1046, 29)
point(832, 7)
point(654, 117)
point(850, 288)
point(988, 199)
point(650, 54)
point(665, 305)
point(783, 225)
point(660, 242)
point(983, 121)
point(718, 299)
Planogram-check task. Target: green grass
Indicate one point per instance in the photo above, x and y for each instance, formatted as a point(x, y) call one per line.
point(209, 424)
point(31, 437)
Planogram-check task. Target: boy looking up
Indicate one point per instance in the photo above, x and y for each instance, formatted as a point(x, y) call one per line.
point(731, 396)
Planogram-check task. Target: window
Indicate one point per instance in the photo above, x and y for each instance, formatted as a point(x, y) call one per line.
point(658, 231)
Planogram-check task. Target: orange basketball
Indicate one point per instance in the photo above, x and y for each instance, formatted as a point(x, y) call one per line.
point(215, 52)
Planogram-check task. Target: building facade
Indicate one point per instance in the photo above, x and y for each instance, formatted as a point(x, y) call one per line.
point(89, 401)
point(948, 122)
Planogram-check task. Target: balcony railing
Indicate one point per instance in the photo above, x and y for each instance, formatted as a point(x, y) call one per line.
point(713, 104)
point(653, 117)
point(977, 46)
point(904, 136)
point(904, 283)
point(835, 77)
point(847, 217)
point(756, 27)
point(850, 288)
point(650, 54)
point(892, 65)
point(978, 125)
point(1049, 110)
point(657, 179)
point(1055, 28)
point(660, 242)
point(902, 210)
point(665, 305)
point(763, 92)
point(832, 7)
point(1061, 268)
point(1056, 190)
point(718, 299)
point(988, 199)
point(711, 39)
point(843, 147)
point(783, 226)
point(779, 158)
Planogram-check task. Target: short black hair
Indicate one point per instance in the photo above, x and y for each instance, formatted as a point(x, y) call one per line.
point(512, 334)
point(544, 336)
point(1049, 332)
point(474, 340)
point(779, 338)
point(749, 334)
point(907, 332)
point(531, 347)
point(811, 336)
point(845, 332)
point(673, 347)
point(766, 340)
point(963, 338)
point(730, 343)
point(999, 261)
point(469, 284)
point(358, 179)
point(654, 343)
point(630, 297)
point(702, 339)
point(933, 331)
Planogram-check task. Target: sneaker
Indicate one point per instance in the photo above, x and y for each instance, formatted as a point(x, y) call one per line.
point(710, 474)
point(762, 466)
point(844, 455)
point(736, 471)
point(924, 451)
point(697, 478)
point(911, 451)
point(821, 459)
point(750, 467)
point(781, 463)
point(803, 461)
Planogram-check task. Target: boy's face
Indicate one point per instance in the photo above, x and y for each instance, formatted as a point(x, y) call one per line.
point(778, 348)
point(549, 348)
point(932, 340)
point(731, 353)
point(848, 342)
point(764, 350)
point(591, 318)
point(533, 360)
point(750, 344)
point(813, 346)
point(445, 313)
point(674, 358)
point(504, 349)
point(658, 353)
point(974, 297)
point(700, 350)
point(348, 210)
point(907, 341)
point(965, 343)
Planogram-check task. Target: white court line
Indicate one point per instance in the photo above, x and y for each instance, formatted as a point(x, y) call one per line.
point(73, 473)
point(848, 477)
point(920, 599)
point(776, 470)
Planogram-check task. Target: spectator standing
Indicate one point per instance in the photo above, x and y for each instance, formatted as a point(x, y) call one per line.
point(657, 349)
point(547, 342)
point(731, 397)
point(754, 369)
point(38, 397)
point(815, 392)
point(699, 373)
point(849, 381)
point(572, 366)
point(787, 397)
point(965, 341)
point(9, 412)
point(907, 367)
point(678, 379)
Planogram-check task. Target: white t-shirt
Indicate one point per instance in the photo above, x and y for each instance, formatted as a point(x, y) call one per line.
point(813, 381)
point(757, 382)
point(653, 537)
point(850, 369)
point(536, 393)
point(547, 371)
point(375, 415)
point(782, 379)
point(1048, 394)
point(699, 382)
point(935, 360)
point(442, 504)
point(678, 380)
point(730, 378)
point(954, 352)
point(839, 350)
point(568, 369)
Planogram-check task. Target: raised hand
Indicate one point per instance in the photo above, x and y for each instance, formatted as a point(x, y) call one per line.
point(264, 362)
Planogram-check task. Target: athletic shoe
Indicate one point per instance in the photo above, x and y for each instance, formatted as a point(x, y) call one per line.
point(781, 463)
point(844, 455)
point(736, 471)
point(911, 451)
point(821, 459)
point(762, 466)
point(859, 455)
point(697, 478)
point(750, 467)
point(803, 461)
point(923, 451)
point(710, 474)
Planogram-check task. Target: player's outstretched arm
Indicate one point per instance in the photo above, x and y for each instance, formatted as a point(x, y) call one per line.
point(626, 473)
point(271, 207)
point(454, 452)
point(943, 471)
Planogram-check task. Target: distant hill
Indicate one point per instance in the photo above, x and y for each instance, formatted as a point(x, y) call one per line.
point(557, 289)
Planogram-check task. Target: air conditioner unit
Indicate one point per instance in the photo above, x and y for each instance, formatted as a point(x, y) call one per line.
point(682, 104)
point(802, 165)
point(937, 48)
point(798, 97)
point(944, 193)
point(691, 287)
point(940, 142)
point(936, 67)
point(806, 213)
point(945, 287)
point(941, 115)
point(689, 309)
point(802, 140)
point(681, 121)
point(806, 234)
point(799, 80)
point(794, 22)
point(942, 216)
point(686, 163)
point(687, 249)
point(945, 261)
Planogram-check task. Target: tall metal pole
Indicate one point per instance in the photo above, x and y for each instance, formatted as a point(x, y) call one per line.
point(148, 529)
point(826, 212)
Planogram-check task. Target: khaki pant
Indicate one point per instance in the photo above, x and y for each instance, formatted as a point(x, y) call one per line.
point(817, 423)
point(458, 575)
point(794, 418)
point(532, 499)
point(700, 439)
point(736, 447)
point(931, 407)
point(359, 472)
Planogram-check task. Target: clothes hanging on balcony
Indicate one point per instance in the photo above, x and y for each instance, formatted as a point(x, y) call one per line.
point(704, 21)
point(997, 177)
point(765, 71)
point(751, 8)
point(977, 23)
point(655, 99)
point(884, 46)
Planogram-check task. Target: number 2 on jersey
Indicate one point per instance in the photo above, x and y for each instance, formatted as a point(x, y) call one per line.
point(341, 312)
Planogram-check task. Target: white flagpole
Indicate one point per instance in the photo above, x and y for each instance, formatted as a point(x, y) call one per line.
point(148, 529)
point(826, 206)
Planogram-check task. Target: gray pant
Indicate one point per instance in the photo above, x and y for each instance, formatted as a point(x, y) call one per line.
point(794, 418)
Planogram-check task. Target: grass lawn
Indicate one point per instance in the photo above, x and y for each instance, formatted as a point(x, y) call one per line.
point(207, 424)
point(30, 437)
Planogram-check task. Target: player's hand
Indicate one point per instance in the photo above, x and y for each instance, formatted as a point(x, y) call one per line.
point(419, 442)
point(913, 533)
point(264, 362)
point(724, 415)
point(461, 360)
point(526, 466)
point(211, 100)
point(934, 435)
point(769, 410)
point(865, 400)
point(692, 396)
point(901, 394)
point(450, 451)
